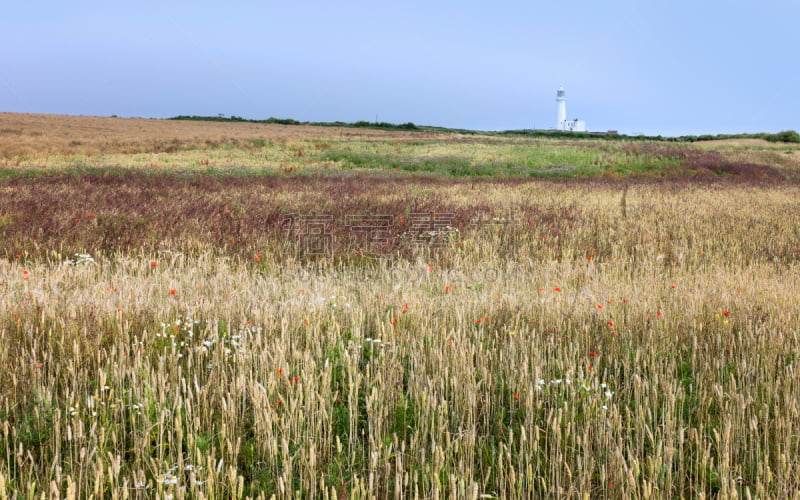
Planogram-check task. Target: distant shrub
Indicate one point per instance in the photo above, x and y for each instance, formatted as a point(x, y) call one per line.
point(282, 121)
point(784, 136)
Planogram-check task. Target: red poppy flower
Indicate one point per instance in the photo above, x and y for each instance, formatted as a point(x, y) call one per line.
point(172, 292)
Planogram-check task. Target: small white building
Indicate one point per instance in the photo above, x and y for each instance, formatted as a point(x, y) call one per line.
point(561, 118)
point(575, 125)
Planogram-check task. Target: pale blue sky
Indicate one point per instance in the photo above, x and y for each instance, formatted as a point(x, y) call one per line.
point(669, 67)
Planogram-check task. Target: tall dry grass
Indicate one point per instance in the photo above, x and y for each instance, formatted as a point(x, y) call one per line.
point(577, 339)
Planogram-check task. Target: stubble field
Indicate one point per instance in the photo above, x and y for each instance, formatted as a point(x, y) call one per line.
point(296, 312)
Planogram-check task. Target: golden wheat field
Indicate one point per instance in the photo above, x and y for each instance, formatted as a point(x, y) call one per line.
point(296, 312)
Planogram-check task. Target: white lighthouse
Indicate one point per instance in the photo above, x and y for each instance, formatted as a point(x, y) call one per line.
point(562, 123)
point(561, 99)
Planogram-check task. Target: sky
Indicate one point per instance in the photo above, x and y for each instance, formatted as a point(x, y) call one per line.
point(668, 67)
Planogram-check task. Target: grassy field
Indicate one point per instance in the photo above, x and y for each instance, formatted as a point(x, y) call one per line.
point(527, 318)
point(43, 143)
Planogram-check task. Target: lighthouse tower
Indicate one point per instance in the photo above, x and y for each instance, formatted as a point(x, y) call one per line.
point(562, 123)
point(561, 99)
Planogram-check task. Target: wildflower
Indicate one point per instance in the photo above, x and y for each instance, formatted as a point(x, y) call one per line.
point(726, 313)
point(609, 394)
point(168, 479)
point(592, 353)
point(557, 289)
point(447, 288)
point(172, 292)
